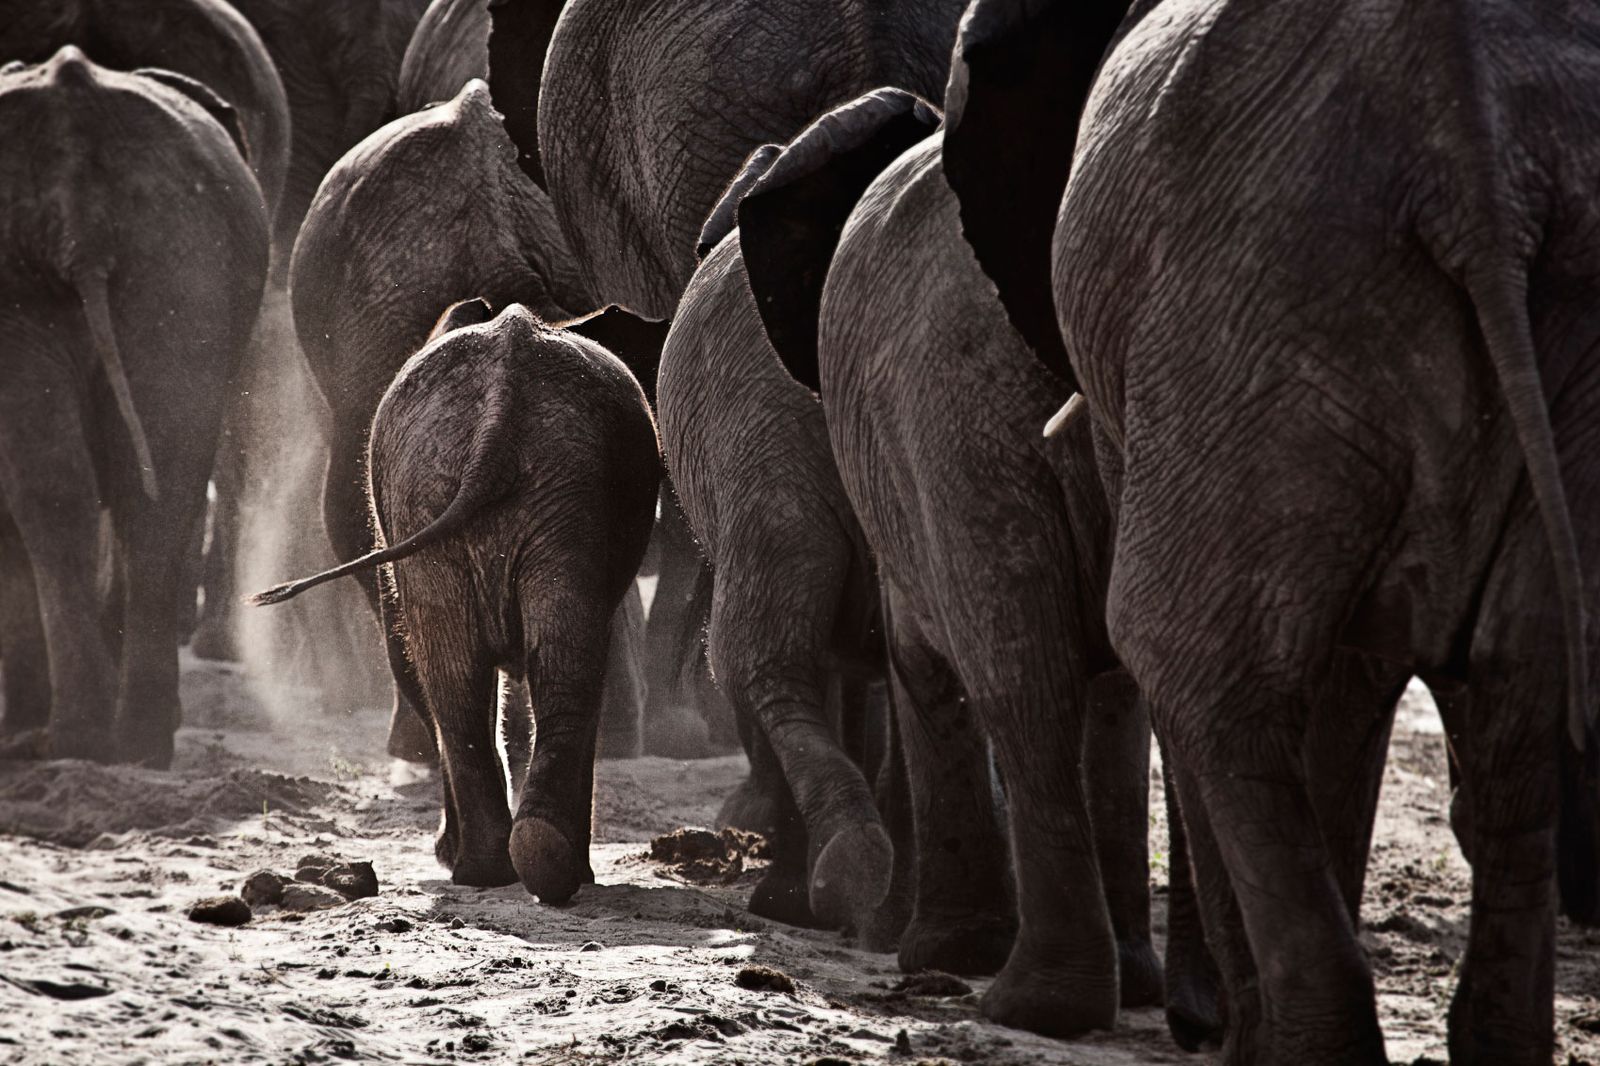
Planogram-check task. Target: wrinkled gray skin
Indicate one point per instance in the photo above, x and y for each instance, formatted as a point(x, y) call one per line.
point(991, 545)
point(206, 40)
point(685, 715)
point(1325, 379)
point(429, 209)
point(122, 340)
point(514, 472)
point(647, 108)
point(794, 594)
point(449, 48)
point(340, 67)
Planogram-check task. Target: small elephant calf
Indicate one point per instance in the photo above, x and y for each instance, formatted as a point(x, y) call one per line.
point(513, 471)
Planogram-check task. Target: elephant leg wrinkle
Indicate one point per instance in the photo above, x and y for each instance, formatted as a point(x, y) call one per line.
point(1316, 991)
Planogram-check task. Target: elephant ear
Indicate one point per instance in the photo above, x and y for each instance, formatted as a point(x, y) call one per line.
point(201, 93)
point(462, 313)
point(791, 219)
point(725, 216)
point(519, 37)
point(634, 340)
point(1019, 78)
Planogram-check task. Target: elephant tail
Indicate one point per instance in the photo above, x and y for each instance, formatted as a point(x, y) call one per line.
point(91, 286)
point(483, 481)
point(1499, 293)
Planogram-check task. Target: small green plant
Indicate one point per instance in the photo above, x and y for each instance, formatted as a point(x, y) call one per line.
point(29, 920)
point(1159, 862)
point(1441, 861)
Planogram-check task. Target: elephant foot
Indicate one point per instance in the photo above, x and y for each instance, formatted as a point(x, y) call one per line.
point(484, 871)
point(1139, 974)
point(851, 875)
point(1045, 998)
point(749, 807)
point(783, 896)
point(1194, 1011)
point(545, 860)
point(972, 944)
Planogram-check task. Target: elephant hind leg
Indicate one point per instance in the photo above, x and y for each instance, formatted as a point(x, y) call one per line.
point(769, 658)
point(962, 919)
point(1193, 983)
point(1116, 764)
point(24, 658)
point(49, 485)
point(763, 804)
point(152, 574)
point(1510, 748)
point(566, 628)
point(453, 671)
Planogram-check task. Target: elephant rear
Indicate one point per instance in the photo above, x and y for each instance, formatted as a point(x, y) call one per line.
point(538, 448)
point(133, 252)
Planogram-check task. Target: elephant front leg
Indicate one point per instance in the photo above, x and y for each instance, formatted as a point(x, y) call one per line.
point(344, 517)
point(621, 724)
point(216, 634)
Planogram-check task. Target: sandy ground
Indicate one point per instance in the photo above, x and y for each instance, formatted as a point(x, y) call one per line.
point(99, 963)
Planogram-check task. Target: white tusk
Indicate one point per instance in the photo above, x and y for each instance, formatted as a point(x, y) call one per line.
point(1059, 420)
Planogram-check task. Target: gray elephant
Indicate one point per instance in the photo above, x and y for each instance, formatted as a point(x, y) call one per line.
point(794, 594)
point(627, 120)
point(1334, 323)
point(992, 546)
point(449, 48)
point(513, 473)
point(429, 209)
point(685, 715)
point(339, 63)
point(206, 40)
point(123, 341)
point(340, 67)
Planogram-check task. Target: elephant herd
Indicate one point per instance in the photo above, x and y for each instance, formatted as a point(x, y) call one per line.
point(991, 388)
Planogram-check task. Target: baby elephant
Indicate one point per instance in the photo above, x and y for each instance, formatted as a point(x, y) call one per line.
point(513, 471)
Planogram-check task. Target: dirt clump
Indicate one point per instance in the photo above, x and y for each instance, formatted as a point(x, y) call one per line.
point(764, 979)
point(220, 910)
point(262, 889)
point(703, 857)
point(299, 897)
